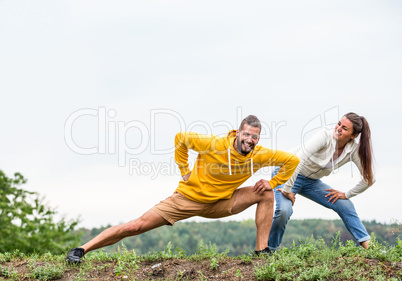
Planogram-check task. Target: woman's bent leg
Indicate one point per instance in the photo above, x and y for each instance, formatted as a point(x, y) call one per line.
point(283, 211)
point(316, 191)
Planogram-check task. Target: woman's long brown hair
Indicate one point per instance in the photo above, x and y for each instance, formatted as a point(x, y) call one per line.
point(361, 126)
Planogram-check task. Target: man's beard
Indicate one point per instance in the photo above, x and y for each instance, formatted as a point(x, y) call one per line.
point(240, 149)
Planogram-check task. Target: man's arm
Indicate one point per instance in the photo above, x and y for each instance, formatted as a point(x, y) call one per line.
point(189, 140)
point(287, 162)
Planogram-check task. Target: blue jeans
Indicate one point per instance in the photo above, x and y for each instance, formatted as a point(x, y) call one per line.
point(314, 190)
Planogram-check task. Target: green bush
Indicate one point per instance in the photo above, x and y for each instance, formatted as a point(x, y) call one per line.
point(27, 224)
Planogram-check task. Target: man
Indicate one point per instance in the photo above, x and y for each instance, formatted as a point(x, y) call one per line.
point(210, 190)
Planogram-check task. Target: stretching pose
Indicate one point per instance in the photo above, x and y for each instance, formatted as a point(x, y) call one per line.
point(322, 154)
point(211, 189)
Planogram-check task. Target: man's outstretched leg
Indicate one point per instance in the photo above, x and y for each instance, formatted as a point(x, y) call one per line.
point(264, 213)
point(114, 234)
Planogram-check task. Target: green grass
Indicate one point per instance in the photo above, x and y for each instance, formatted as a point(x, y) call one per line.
point(311, 259)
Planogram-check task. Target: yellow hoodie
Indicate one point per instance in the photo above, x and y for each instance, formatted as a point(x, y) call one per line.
point(212, 178)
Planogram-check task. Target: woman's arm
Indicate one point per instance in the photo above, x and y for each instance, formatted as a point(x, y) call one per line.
point(362, 185)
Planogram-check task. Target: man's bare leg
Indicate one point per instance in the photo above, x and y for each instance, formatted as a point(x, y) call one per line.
point(263, 215)
point(114, 234)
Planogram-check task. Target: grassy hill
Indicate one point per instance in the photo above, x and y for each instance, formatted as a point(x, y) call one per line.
point(309, 260)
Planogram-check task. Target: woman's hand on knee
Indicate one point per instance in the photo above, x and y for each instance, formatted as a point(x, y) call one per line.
point(335, 195)
point(291, 196)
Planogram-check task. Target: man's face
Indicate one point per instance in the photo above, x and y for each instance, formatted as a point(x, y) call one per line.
point(247, 139)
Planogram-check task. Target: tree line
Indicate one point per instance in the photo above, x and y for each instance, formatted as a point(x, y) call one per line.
point(28, 225)
point(240, 236)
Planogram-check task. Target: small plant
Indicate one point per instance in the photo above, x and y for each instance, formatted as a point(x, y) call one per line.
point(246, 258)
point(180, 273)
point(80, 276)
point(121, 269)
point(205, 251)
point(152, 256)
point(180, 253)
point(208, 252)
point(98, 256)
point(126, 262)
point(347, 273)
point(214, 264)
point(267, 271)
point(102, 267)
point(47, 272)
point(9, 273)
point(316, 273)
point(6, 257)
point(166, 254)
point(202, 277)
point(238, 273)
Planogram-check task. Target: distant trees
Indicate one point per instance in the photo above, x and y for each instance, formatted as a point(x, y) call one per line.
point(27, 224)
point(239, 237)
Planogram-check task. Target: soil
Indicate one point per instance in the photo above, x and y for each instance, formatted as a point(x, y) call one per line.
point(175, 269)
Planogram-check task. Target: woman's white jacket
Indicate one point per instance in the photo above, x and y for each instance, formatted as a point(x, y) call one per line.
point(315, 155)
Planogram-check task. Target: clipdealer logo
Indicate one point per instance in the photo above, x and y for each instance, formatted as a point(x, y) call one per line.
point(111, 136)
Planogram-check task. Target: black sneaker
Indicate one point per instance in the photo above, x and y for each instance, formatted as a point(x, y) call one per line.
point(265, 252)
point(75, 255)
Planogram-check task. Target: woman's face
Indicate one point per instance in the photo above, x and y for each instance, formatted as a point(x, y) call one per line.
point(344, 130)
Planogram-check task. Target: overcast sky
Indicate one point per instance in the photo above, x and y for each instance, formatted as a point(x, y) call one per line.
point(93, 93)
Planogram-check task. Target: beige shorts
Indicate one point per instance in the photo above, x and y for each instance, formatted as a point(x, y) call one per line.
point(178, 207)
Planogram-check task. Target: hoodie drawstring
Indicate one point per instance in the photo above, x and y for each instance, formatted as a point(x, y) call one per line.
point(251, 166)
point(351, 164)
point(252, 170)
point(230, 164)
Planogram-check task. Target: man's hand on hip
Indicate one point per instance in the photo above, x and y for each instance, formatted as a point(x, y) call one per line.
point(186, 177)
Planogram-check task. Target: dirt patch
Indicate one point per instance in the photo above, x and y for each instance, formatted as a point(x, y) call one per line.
point(171, 269)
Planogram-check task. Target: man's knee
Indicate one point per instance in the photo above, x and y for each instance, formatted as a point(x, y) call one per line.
point(134, 227)
point(268, 196)
point(146, 222)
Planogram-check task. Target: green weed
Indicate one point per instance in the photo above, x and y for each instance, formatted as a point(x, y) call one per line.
point(245, 258)
point(214, 264)
point(126, 262)
point(47, 272)
point(201, 276)
point(208, 252)
point(9, 273)
point(310, 259)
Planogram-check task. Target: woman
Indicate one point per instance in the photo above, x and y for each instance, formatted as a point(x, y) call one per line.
point(326, 151)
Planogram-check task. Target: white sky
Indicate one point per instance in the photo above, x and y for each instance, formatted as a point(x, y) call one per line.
point(148, 69)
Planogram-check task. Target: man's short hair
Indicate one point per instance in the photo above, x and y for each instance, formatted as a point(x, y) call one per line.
point(251, 120)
